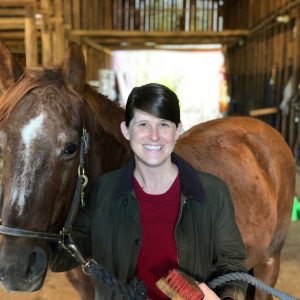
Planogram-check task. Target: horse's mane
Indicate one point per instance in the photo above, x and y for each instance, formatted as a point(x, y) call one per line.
point(107, 113)
point(33, 78)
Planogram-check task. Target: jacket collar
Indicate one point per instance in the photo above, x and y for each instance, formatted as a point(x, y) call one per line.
point(190, 184)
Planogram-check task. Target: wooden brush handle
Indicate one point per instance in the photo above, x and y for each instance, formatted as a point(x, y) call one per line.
point(171, 293)
point(167, 290)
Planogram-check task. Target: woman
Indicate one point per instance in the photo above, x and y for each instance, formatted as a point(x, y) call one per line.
point(158, 213)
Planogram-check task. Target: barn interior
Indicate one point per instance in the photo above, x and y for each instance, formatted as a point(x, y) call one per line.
point(259, 42)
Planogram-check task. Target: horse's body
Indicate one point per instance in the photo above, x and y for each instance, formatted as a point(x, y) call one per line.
point(42, 116)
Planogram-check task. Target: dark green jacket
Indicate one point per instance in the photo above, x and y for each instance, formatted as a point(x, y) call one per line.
point(207, 237)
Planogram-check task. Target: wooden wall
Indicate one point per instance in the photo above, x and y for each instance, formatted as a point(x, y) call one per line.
point(145, 15)
point(261, 65)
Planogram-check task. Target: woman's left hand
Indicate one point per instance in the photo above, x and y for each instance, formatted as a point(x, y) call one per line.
point(208, 293)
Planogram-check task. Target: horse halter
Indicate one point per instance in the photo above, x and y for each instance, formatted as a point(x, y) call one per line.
point(78, 198)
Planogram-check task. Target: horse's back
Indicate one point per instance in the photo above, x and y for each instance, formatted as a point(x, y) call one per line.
point(257, 165)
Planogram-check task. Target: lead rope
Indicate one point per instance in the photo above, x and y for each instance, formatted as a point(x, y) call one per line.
point(250, 280)
point(135, 290)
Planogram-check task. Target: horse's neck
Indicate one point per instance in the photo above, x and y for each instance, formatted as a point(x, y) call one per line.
point(108, 149)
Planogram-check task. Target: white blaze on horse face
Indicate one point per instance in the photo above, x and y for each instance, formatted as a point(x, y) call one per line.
point(32, 130)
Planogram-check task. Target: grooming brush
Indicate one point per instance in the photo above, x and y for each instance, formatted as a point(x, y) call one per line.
point(179, 286)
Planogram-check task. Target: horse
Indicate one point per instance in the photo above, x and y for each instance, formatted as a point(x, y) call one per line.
point(42, 114)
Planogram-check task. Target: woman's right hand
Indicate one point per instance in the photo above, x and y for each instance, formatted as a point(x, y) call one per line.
point(209, 294)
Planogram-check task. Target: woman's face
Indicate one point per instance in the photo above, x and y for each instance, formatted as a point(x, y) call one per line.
point(151, 139)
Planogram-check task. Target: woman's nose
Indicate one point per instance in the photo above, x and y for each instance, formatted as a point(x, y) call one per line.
point(154, 133)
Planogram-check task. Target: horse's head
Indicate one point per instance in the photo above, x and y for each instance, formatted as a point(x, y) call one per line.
point(41, 120)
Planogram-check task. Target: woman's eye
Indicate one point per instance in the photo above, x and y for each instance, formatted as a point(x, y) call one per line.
point(144, 124)
point(165, 124)
point(69, 150)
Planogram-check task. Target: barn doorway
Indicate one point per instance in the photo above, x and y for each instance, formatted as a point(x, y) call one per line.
point(197, 77)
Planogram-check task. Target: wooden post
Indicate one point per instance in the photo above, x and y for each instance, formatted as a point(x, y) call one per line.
point(76, 14)
point(58, 35)
point(30, 36)
point(46, 34)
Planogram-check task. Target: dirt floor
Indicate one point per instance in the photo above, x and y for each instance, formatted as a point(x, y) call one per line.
point(57, 287)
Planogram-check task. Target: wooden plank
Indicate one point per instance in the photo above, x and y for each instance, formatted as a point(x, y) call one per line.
point(96, 46)
point(12, 12)
point(76, 14)
point(84, 10)
point(58, 34)
point(12, 23)
point(10, 3)
point(263, 111)
point(11, 35)
point(67, 11)
point(30, 37)
point(108, 15)
point(46, 33)
point(149, 34)
point(168, 38)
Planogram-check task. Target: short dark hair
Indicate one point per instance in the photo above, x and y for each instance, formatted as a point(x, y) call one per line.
point(154, 99)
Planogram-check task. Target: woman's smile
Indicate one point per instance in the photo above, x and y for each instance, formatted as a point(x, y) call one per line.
point(153, 147)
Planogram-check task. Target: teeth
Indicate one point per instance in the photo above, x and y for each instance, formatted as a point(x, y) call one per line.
point(152, 147)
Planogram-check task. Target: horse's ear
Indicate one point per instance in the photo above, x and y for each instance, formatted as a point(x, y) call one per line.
point(73, 68)
point(10, 68)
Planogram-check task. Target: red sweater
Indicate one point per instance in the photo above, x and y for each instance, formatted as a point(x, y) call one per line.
point(158, 253)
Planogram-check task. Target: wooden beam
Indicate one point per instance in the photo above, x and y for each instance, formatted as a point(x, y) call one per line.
point(12, 12)
point(14, 35)
point(76, 14)
point(292, 4)
point(9, 35)
point(263, 111)
point(30, 37)
point(46, 33)
point(96, 46)
point(147, 34)
point(58, 34)
point(12, 23)
point(135, 38)
point(9, 3)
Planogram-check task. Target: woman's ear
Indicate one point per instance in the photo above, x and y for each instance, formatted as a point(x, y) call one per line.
point(125, 131)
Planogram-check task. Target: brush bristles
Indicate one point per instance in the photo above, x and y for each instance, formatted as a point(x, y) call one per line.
point(178, 285)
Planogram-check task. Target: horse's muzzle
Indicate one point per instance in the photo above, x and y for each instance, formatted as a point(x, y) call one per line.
point(24, 272)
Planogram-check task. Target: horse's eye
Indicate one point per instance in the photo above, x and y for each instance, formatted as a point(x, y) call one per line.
point(70, 150)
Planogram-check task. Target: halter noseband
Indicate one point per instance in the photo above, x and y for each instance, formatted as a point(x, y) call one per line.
point(78, 197)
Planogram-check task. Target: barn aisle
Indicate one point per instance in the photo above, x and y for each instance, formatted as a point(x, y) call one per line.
point(289, 276)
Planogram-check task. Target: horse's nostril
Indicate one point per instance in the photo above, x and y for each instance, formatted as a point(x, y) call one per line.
point(37, 264)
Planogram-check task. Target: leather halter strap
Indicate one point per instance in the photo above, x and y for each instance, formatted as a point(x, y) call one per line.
point(77, 198)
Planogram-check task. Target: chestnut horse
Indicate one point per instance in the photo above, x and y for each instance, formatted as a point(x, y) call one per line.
point(42, 114)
